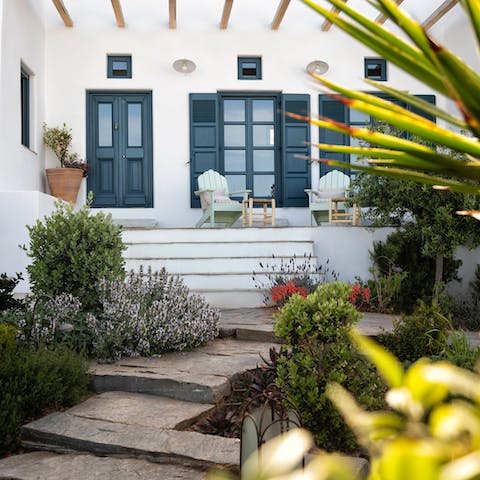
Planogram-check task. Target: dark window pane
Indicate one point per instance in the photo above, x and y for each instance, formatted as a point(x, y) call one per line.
point(25, 107)
point(249, 69)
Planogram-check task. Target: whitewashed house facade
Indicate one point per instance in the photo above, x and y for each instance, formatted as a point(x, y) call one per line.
point(151, 131)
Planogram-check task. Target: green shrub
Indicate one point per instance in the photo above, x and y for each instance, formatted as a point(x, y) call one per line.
point(403, 249)
point(422, 334)
point(320, 316)
point(7, 285)
point(71, 251)
point(34, 380)
point(316, 329)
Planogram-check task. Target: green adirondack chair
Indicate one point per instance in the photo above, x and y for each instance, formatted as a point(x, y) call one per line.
point(333, 185)
point(217, 206)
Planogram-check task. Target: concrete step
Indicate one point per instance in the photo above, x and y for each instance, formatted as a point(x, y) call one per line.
point(202, 375)
point(232, 282)
point(166, 235)
point(63, 432)
point(218, 249)
point(52, 466)
point(226, 299)
point(141, 410)
point(214, 264)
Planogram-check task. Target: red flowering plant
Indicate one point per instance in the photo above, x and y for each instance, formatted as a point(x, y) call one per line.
point(360, 296)
point(281, 293)
point(282, 277)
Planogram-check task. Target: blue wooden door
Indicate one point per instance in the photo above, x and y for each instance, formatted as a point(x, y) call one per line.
point(119, 149)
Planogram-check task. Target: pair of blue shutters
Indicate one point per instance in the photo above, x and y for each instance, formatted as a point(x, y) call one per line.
point(206, 151)
point(331, 108)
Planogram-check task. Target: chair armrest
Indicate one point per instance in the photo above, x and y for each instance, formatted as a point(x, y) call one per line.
point(310, 194)
point(240, 192)
point(243, 193)
point(198, 192)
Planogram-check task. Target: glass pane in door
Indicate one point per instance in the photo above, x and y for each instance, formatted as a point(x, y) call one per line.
point(263, 160)
point(234, 135)
point(234, 110)
point(263, 185)
point(235, 161)
point(236, 183)
point(262, 110)
point(263, 136)
point(134, 115)
point(105, 125)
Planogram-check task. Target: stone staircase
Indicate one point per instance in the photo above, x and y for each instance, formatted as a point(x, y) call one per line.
point(139, 419)
point(136, 424)
point(218, 263)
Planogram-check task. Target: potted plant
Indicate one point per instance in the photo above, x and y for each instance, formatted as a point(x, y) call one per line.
point(64, 182)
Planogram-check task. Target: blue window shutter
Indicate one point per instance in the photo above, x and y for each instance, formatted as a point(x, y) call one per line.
point(428, 98)
point(296, 139)
point(335, 110)
point(204, 144)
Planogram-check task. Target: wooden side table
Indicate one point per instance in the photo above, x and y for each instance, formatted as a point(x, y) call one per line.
point(337, 215)
point(266, 216)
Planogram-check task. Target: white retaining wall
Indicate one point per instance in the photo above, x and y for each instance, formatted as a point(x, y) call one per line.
point(17, 210)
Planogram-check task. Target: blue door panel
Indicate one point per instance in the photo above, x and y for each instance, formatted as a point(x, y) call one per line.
point(119, 149)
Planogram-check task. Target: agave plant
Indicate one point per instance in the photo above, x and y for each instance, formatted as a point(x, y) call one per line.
point(434, 65)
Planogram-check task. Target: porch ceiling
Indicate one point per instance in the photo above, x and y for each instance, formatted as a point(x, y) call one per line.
point(239, 15)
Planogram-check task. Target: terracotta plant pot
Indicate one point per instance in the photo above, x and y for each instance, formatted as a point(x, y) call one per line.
point(64, 183)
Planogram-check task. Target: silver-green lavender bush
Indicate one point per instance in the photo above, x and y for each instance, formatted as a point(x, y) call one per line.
point(149, 314)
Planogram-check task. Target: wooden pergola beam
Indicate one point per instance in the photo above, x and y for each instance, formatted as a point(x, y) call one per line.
point(444, 8)
point(227, 9)
point(63, 12)
point(381, 19)
point(327, 23)
point(172, 14)
point(280, 13)
point(117, 9)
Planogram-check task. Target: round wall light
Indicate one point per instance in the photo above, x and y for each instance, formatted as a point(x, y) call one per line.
point(184, 65)
point(318, 67)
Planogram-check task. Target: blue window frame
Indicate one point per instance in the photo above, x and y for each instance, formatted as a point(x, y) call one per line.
point(376, 69)
point(249, 68)
point(242, 136)
point(119, 66)
point(25, 106)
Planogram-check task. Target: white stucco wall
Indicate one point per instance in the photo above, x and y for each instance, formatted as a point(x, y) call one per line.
point(76, 62)
point(22, 41)
point(17, 210)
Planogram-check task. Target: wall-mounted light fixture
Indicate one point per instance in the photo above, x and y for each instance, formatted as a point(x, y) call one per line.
point(318, 67)
point(184, 65)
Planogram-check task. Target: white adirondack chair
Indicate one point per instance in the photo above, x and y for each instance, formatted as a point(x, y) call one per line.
point(217, 206)
point(333, 185)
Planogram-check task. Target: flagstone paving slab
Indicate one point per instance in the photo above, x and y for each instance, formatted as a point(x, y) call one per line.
point(62, 432)
point(141, 410)
point(51, 466)
point(202, 375)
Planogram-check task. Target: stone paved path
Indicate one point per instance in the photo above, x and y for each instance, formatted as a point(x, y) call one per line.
point(135, 425)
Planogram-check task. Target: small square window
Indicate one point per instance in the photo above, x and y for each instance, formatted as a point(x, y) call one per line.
point(376, 69)
point(119, 66)
point(249, 68)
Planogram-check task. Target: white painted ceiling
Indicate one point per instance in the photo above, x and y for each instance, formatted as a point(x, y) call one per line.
point(247, 15)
